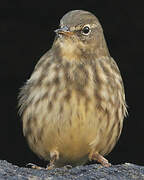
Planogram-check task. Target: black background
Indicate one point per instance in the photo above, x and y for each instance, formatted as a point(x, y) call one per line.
point(26, 33)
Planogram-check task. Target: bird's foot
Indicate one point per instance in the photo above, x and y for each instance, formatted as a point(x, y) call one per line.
point(99, 158)
point(50, 166)
point(34, 166)
point(68, 166)
point(54, 156)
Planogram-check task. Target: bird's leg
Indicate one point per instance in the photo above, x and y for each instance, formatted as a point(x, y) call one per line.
point(54, 155)
point(99, 158)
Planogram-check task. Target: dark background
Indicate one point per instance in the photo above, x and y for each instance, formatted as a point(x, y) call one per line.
point(26, 33)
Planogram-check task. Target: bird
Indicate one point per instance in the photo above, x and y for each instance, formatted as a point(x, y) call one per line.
point(73, 105)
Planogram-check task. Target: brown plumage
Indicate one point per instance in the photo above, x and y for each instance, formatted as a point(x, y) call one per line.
point(73, 105)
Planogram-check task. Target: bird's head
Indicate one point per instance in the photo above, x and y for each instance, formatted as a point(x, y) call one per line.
point(80, 35)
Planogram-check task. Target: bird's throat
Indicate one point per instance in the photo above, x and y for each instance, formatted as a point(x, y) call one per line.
point(68, 49)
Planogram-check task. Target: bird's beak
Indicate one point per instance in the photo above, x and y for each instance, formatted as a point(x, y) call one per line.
point(64, 30)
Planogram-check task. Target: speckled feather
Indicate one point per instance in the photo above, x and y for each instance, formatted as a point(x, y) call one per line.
point(74, 101)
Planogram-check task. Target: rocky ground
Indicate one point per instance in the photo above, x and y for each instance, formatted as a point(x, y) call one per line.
point(125, 171)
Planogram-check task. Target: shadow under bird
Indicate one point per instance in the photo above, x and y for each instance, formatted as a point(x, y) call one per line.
point(73, 105)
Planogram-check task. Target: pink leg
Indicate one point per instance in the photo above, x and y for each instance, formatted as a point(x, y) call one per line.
point(99, 158)
point(54, 155)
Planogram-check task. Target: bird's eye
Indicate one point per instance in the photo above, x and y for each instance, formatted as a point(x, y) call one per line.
point(86, 30)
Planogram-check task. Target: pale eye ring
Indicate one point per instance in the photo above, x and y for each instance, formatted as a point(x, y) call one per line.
point(86, 30)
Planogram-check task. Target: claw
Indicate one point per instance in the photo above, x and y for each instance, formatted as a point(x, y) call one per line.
point(33, 166)
point(68, 166)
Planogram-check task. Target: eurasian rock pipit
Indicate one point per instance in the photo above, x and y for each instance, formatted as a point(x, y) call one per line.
point(73, 105)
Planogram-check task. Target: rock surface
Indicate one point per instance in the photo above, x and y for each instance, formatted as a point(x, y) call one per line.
point(125, 171)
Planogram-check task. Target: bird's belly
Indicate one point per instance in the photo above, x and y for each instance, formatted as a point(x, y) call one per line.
point(69, 131)
point(73, 128)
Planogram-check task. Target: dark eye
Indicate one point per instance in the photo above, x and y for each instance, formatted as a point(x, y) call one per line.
point(86, 30)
